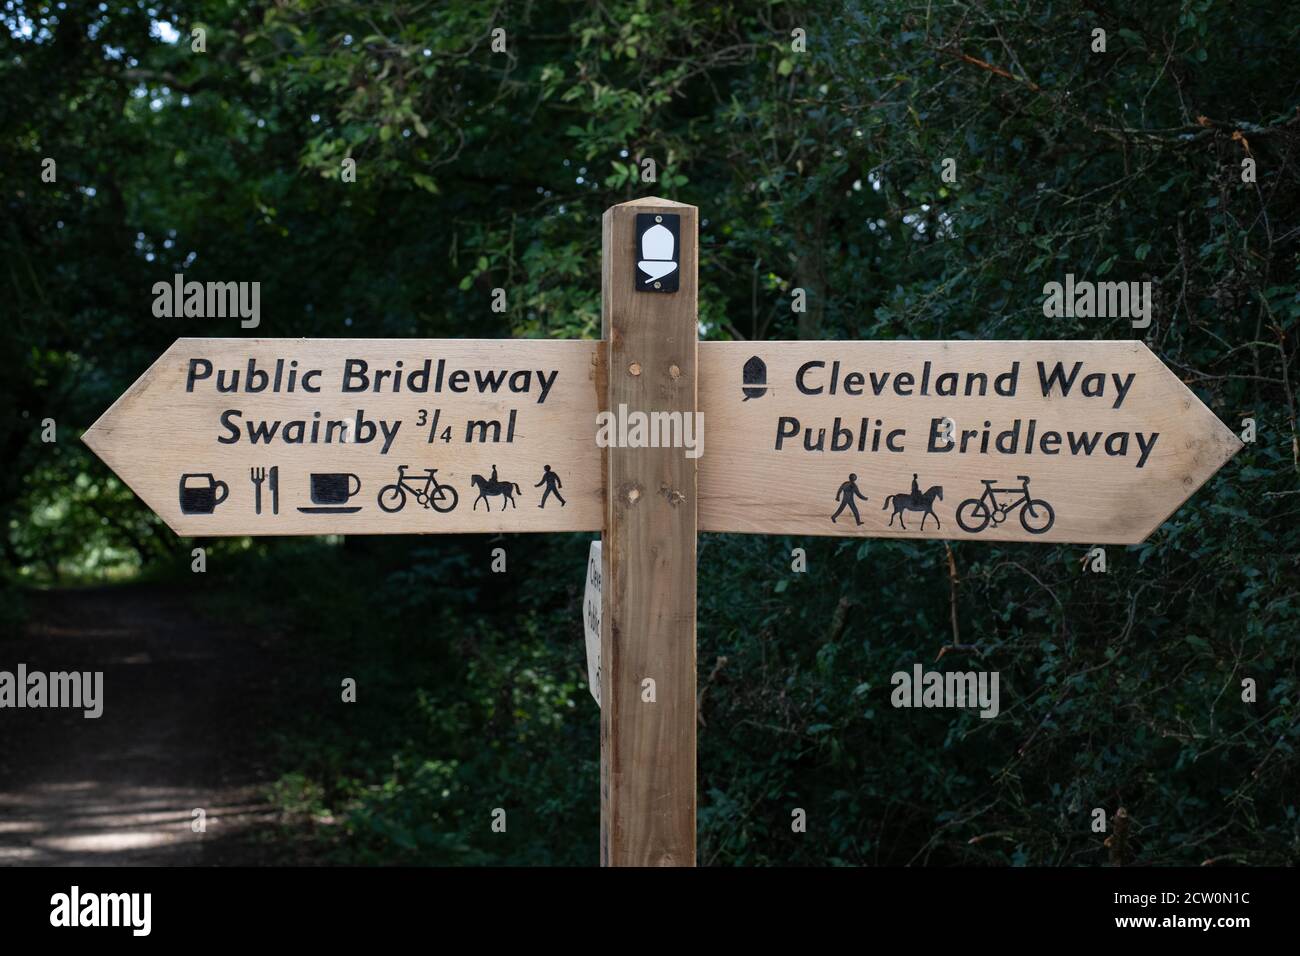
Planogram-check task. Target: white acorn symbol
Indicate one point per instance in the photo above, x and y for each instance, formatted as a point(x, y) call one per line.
point(657, 252)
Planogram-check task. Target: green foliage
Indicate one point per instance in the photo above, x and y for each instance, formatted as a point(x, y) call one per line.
point(469, 697)
point(819, 170)
point(78, 521)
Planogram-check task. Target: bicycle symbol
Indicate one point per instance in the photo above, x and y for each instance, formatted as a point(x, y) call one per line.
point(974, 514)
point(431, 494)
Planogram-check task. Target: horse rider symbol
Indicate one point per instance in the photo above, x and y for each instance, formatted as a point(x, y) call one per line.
point(490, 487)
point(917, 500)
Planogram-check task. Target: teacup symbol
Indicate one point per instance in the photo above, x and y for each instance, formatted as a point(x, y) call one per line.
point(333, 488)
point(199, 493)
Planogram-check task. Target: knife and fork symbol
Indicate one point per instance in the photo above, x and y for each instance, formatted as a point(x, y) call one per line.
point(259, 475)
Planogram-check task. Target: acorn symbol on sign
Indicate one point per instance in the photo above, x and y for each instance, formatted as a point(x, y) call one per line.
point(755, 378)
point(657, 253)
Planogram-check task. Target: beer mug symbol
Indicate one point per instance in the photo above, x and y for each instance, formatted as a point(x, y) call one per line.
point(199, 493)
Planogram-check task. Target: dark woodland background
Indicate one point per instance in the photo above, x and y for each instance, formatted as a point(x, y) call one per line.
point(817, 170)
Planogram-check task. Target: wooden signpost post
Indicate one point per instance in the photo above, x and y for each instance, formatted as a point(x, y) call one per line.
point(647, 644)
point(1053, 441)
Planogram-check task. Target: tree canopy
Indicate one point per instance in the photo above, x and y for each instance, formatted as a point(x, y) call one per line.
point(812, 136)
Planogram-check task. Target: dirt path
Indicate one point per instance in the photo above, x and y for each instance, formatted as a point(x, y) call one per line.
point(188, 708)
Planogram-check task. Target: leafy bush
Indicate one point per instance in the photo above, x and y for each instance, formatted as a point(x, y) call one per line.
point(816, 170)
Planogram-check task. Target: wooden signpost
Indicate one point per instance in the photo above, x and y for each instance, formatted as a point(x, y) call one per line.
point(1053, 441)
point(1058, 441)
point(647, 646)
point(361, 436)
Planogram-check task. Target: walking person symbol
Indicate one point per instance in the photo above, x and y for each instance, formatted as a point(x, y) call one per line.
point(845, 497)
point(553, 485)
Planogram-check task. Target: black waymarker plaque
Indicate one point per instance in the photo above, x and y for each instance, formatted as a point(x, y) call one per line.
point(658, 252)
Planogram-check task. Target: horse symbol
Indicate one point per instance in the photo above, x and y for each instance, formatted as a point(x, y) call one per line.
point(489, 487)
point(906, 501)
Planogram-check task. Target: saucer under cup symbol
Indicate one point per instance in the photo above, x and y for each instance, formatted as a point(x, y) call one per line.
point(330, 492)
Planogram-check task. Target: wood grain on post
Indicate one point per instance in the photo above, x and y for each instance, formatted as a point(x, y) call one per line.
point(647, 749)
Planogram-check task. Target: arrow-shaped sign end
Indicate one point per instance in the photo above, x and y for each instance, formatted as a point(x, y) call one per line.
point(102, 438)
point(1209, 443)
